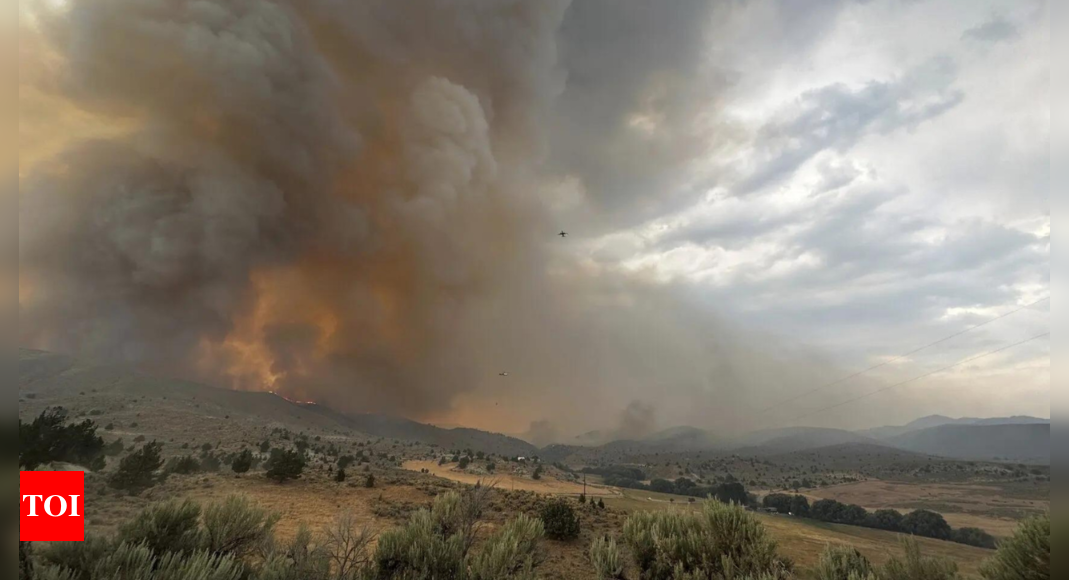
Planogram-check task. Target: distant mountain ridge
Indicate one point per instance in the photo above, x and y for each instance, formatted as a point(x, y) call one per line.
point(793, 439)
point(58, 378)
point(1018, 439)
point(1023, 443)
point(889, 432)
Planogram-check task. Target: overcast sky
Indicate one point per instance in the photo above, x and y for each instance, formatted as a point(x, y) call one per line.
point(861, 177)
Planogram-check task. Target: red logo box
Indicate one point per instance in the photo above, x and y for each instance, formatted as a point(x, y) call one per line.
point(52, 506)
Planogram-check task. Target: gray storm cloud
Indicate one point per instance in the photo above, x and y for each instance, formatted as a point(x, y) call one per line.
point(343, 201)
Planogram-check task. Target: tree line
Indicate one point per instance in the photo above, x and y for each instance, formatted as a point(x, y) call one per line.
point(920, 522)
point(631, 478)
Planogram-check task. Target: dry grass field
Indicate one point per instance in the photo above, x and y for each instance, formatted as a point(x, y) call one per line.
point(993, 508)
point(503, 480)
point(315, 501)
point(803, 540)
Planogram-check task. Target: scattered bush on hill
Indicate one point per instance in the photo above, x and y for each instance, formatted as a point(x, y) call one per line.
point(625, 477)
point(115, 448)
point(283, 466)
point(560, 521)
point(617, 471)
point(137, 471)
point(242, 462)
point(184, 465)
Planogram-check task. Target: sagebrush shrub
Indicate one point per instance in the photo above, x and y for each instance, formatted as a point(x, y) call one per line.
point(54, 573)
point(298, 560)
point(511, 553)
point(125, 562)
point(173, 526)
point(419, 550)
point(720, 541)
point(605, 557)
point(198, 566)
point(916, 566)
point(185, 465)
point(78, 557)
point(1024, 556)
point(437, 543)
point(843, 563)
point(235, 526)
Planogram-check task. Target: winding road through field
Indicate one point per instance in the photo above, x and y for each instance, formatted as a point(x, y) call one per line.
point(546, 485)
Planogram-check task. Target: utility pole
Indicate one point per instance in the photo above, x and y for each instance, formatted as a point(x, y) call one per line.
point(584, 485)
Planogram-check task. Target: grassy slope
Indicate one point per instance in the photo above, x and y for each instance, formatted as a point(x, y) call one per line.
point(803, 540)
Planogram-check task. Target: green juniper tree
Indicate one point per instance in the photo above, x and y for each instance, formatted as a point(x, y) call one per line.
point(286, 465)
point(242, 462)
point(137, 471)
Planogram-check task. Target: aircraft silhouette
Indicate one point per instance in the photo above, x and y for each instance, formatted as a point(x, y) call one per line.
point(563, 234)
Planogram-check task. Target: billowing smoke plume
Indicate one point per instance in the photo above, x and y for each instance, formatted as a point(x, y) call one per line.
point(346, 202)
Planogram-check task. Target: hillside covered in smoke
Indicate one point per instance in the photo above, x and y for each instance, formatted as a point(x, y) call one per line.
point(356, 203)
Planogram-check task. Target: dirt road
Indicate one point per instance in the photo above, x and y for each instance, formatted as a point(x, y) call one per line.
point(509, 481)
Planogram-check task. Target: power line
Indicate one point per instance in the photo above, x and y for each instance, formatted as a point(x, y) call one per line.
point(901, 356)
point(919, 377)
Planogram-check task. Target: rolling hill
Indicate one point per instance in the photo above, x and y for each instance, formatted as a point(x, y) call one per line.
point(127, 396)
point(682, 438)
point(890, 431)
point(1024, 443)
point(791, 439)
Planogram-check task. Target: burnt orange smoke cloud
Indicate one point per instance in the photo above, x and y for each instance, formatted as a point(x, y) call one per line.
point(340, 202)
